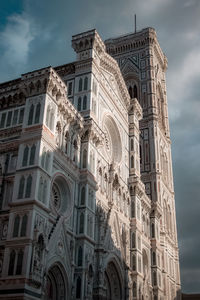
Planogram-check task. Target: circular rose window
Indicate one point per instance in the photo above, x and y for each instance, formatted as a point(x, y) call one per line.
point(112, 143)
point(61, 201)
point(56, 198)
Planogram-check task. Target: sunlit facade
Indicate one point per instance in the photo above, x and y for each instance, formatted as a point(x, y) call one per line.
point(87, 198)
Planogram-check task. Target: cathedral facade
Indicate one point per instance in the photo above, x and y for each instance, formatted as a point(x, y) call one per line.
point(87, 205)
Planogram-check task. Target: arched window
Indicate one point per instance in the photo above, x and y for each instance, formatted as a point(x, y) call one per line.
point(84, 102)
point(84, 165)
point(133, 240)
point(85, 83)
point(32, 155)
point(79, 104)
point(30, 116)
point(28, 187)
point(153, 230)
point(131, 144)
point(25, 156)
point(154, 278)
point(78, 288)
point(83, 195)
point(19, 262)
point(66, 141)
point(154, 258)
point(80, 85)
point(134, 289)
point(21, 187)
point(133, 262)
point(11, 263)
point(132, 161)
point(37, 113)
point(16, 226)
point(81, 224)
point(130, 91)
point(80, 256)
point(135, 91)
point(23, 226)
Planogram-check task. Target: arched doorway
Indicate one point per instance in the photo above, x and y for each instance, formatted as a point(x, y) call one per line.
point(55, 287)
point(112, 283)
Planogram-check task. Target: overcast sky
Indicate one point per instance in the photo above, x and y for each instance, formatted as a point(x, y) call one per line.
point(36, 34)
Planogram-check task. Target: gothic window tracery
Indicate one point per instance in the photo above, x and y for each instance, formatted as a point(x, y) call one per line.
point(56, 198)
point(78, 288)
point(28, 187)
point(37, 113)
point(23, 225)
point(86, 83)
point(32, 155)
point(11, 263)
point(21, 187)
point(79, 105)
point(80, 256)
point(81, 223)
point(85, 102)
point(25, 156)
point(132, 161)
point(30, 116)
point(16, 226)
point(80, 85)
point(19, 262)
point(83, 195)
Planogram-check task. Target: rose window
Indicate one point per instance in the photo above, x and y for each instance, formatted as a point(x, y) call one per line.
point(56, 197)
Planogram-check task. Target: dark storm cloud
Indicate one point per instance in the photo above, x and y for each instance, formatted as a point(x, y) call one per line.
point(39, 35)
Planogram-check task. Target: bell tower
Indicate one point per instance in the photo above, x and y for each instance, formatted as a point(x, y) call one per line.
point(143, 66)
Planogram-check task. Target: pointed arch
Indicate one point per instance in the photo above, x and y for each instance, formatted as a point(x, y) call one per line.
point(83, 195)
point(37, 113)
point(24, 225)
point(80, 85)
point(79, 104)
point(32, 155)
point(85, 102)
point(80, 256)
point(30, 116)
point(81, 223)
point(19, 262)
point(135, 91)
point(25, 156)
point(86, 83)
point(78, 288)
point(16, 226)
point(11, 263)
point(28, 187)
point(21, 188)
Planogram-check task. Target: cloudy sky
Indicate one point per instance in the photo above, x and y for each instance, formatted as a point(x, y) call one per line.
point(35, 34)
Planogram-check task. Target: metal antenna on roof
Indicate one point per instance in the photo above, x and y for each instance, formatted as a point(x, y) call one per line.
point(135, 24)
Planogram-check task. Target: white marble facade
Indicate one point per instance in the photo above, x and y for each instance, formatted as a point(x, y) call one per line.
point(87, 199)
